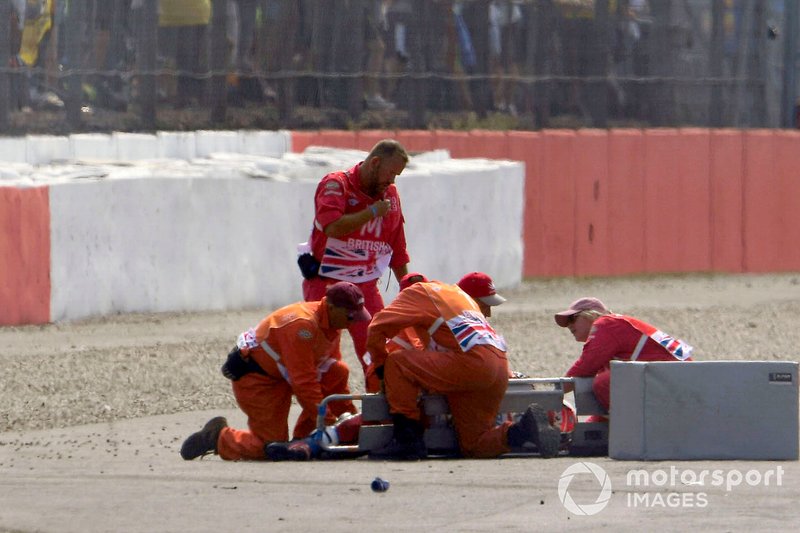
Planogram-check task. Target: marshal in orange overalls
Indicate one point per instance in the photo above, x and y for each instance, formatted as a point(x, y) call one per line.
point(464, 359)
point(293, 346)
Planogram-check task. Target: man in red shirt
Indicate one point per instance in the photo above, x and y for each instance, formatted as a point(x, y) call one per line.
point(357, 234)
point(288, 354)
point(612, 337)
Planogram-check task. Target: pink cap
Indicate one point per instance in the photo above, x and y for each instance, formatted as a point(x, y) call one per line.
point(481, 287)
point(348, 296)
point(410, 279)
point(583, 304)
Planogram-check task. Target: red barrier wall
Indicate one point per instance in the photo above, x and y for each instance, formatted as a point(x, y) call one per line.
point(618, 202)
point(676, 187)
point(787, 168)
point(24, 256)
point(591, 214)
point(625, 202)
point(761, 209)
point(457, 142)
point(303, 139)
point(366, 139)
point(725, 204)
point(527, 147)
point(488, 144)
point(417, 140)
point(336, 138)
point(557, 204)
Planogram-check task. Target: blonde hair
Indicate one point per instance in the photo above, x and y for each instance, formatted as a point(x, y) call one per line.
point(592, 314)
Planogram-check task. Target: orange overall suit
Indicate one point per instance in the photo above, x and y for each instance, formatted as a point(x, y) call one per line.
point(293, 348)
point(465, 360)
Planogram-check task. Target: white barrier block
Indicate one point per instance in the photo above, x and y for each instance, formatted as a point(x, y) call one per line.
point(177, 145)
point(704, 410)
point(43, 149)
point(472, 208)
point(160, 235)
point(13, 172)
point(92, 146)
point(14, 149)
point(264, 143)
point(135, 146)
point(208, 142)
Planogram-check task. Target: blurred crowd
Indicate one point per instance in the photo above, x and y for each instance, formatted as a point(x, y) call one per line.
point(534, 57)
point(453, 40)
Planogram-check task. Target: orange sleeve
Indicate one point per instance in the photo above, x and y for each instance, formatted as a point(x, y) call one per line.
point(411, 308)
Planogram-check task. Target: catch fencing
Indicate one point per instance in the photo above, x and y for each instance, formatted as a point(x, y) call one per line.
point(538, 63)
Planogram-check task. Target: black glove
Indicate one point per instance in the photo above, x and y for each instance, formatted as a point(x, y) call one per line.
point(309, 266)
point(235, 367)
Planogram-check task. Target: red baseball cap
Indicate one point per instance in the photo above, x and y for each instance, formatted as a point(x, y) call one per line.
point(348, 296)
point(582, 304)
point(481, 287)
point(410, 279)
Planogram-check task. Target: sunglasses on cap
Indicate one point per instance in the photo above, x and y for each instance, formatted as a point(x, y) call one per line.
point(573, 318)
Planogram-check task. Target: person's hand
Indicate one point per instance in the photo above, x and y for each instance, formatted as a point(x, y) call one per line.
point(380, 208)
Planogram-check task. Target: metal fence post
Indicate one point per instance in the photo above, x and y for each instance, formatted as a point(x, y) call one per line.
point(73, 45)
point(789, 91)
point(146, 56)
point(218, 61)
point(599, 66)
point(715, 64)
point(5, 55)
point(355, 58)
point(419, 84)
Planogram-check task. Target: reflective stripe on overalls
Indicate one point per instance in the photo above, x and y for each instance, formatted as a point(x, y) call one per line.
point(323, 367)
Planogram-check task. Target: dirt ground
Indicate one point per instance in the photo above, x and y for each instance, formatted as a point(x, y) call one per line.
point(94, 413)
point(122, 367)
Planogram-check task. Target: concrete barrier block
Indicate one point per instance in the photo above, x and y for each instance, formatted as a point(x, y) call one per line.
point(209, 142)
point(14, 149)
point(43, 149)
point(177, 145)
point(92, 146)
point(135, 146)
point(264, 143)
point(712, 410)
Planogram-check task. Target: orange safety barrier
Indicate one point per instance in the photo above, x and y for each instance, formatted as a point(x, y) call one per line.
point(662, 201)
point(557, 203)
point(787, 168)
point(303, 139)
point(417, 140)
point(24, 256)
point(457, 142)
point(591, 213)
point(628, 201)
point(626, 207)
point(366, 139)
point(489, 144)
point(527, 147)
point(676, 200)
point(762, 194)
point(725, 208)
point(337, 139)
